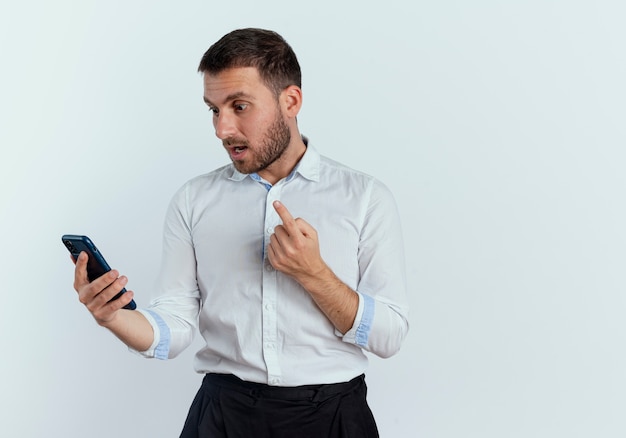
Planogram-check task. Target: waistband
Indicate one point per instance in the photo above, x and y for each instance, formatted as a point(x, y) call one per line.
point(304, 392)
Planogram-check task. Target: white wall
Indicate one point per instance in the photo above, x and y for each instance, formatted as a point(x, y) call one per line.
point(498, 125)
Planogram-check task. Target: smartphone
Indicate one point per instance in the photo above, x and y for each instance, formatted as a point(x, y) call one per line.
point(96, 265)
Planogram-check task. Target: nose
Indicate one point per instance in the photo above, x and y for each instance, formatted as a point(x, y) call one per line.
point(224, 125)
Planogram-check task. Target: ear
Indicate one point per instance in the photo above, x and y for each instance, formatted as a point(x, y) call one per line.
point(291, 100)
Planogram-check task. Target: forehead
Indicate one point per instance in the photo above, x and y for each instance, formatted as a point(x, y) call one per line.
point(234, 81)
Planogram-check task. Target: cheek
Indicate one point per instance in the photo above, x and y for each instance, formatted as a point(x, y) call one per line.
point(254, 130)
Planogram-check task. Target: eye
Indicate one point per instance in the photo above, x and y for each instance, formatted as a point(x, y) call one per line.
point(214, 110)
point(240, 106)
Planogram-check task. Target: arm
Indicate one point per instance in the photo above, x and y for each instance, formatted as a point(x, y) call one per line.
point(377, 320)
point(129, 326)
point(294, 250)
point(173, 311)
point(382, 277)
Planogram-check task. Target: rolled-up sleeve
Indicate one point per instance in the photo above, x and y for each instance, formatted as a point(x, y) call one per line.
point(173, 314)
point(161, 343)
point(381, 323)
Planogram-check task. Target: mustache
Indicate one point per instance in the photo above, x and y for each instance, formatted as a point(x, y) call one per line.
point(232, 141)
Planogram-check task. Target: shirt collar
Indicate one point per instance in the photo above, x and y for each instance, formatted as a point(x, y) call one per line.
point(308, 166)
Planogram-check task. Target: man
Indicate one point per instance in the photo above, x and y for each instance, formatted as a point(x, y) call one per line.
point(290, 264)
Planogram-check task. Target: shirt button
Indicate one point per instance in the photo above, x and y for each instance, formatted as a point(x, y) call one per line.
point(269, 346)
point(274, 381)
point(269, 267)
point(270, 230)
point(268, 306)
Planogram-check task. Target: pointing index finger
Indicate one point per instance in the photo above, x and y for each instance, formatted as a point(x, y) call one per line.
point(285, 216)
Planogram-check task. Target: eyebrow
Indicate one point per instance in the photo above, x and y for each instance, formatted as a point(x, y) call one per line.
point(229, 98)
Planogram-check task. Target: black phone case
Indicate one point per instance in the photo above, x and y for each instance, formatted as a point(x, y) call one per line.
point(96, 265)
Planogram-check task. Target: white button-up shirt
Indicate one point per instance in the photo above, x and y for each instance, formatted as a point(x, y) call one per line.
point(260, 324)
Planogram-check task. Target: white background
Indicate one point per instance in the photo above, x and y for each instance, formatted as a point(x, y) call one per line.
point(498, 125)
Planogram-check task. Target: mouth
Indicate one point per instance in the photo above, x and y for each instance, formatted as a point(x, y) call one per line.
point(237, 152)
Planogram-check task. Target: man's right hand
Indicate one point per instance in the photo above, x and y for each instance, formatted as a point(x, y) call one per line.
point(130, 326)
point(96, 295)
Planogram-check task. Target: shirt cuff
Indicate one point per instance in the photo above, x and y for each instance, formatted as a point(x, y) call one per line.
point(360, 331)
point(160, 347)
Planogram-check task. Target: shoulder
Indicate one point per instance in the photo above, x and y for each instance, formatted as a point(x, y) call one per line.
point(206, 180)
point(329, 165)
point(202, 184)
point(219, 174)
point(337, 172)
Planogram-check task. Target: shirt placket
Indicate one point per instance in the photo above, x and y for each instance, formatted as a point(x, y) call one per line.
point(270, 293)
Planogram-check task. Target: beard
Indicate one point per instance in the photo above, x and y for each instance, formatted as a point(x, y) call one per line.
point(274, 144)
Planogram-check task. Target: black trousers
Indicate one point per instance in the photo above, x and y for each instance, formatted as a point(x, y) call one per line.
point(226, 406)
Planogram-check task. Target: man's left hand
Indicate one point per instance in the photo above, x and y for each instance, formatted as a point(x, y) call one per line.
point(294, 247)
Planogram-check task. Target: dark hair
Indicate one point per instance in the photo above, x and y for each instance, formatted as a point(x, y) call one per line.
point(263, 49)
